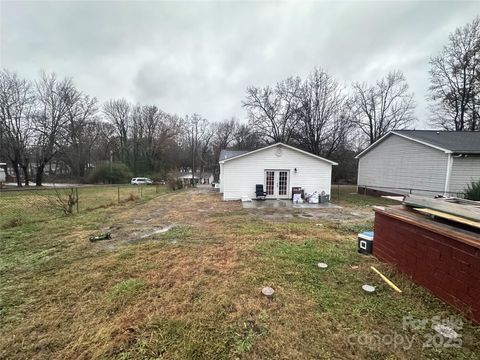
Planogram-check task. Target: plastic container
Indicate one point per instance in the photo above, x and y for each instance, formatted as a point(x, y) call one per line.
point(365, 242)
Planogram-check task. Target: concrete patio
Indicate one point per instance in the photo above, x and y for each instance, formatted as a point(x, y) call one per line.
point(285, 204)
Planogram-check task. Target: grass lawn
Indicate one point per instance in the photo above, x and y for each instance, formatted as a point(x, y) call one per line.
point(346, 195)
point(193, 292)
point(33, 204)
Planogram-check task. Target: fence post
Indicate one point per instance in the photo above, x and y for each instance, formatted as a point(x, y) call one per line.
point(76, 193)
point(141, 191)
point(118, 194)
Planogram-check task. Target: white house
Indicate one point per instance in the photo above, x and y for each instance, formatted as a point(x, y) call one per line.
point(426, 162)
point(2, 172)
point(279, 167)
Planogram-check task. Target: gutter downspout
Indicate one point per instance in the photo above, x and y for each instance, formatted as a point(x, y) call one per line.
point(449, 173)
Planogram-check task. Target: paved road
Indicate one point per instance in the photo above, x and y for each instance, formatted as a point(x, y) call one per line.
point(59, 185)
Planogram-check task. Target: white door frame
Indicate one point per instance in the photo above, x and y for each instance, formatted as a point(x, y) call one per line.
point(276, 184)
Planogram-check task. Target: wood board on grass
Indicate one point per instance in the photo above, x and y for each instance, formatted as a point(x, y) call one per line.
point(458, 219)
point(462, 210)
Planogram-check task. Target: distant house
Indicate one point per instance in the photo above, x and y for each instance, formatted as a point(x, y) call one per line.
point(279, 167)
point(200, 178)
point(425, 162)
point(3, 177)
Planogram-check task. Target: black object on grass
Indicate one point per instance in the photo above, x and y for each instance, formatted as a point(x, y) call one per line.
point(105, 236)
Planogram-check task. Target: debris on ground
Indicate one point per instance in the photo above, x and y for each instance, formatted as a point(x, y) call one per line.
point(106, 236)
point(368, 288)
point(322, 265)
point(384, 278)
point(156, 231)
point(445, 331)
point(268, 291)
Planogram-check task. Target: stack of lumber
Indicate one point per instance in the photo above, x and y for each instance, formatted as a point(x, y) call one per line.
point(460, 211)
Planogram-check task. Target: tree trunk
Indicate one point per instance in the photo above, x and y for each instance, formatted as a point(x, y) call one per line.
point(25, 174)
point(16, 170)
point(39, 174)
point(81, 170)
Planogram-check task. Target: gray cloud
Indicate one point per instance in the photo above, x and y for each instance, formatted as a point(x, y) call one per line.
point(200, 56)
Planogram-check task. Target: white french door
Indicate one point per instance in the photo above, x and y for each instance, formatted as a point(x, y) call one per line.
point(276, 183)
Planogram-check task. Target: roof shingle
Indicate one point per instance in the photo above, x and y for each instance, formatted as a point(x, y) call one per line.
point(455, 141)
point(227, 154)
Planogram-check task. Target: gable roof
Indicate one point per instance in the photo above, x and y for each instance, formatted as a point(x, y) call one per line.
point(450, 142)
point(227, 154)
point(275, 145)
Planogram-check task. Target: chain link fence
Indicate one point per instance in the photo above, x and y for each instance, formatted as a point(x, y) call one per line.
point(25, 205)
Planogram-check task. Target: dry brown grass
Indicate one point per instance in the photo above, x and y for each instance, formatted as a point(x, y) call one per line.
point(194, 292)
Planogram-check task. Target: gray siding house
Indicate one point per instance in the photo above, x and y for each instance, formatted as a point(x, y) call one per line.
point(425, 162)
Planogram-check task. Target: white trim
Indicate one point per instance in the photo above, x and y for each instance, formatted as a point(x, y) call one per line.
point(372, 145)
point(446, 151)
point(276, 183)
point(279, 144)
point(448, 175)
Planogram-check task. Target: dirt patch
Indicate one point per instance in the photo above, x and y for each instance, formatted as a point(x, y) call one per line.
point(191, 208)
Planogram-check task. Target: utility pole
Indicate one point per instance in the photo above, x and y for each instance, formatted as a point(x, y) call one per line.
point(194, 145)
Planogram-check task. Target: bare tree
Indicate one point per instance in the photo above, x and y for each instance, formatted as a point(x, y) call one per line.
point(199, 133)
point(455, 80)
point(118, 113)
point(151, 119)
point(272, 111)
point(224, 132)
point(323, 114)
point(64, 199)
point(136, 139)
point(81, 133)
point(385, 106)
point(223, 137)
point(55, 97)
point(151, 133)
point(16, 104)
point(106, 144)
point(166, 143)
point(245, 138)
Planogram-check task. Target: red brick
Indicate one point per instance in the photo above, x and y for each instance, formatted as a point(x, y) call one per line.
point(448, 268)
point(474, 293)
point(466, 256)
point(457, 267)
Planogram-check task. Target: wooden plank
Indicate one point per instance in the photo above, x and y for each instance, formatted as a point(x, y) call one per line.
point(396, 198)
point(451, 217)
point(463, 201)
point(398, 212)
point(464, 210)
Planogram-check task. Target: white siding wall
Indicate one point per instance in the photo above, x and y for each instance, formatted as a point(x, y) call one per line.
point(464, 170)
point(221, 178)
point(240, 176)
point(402, 163)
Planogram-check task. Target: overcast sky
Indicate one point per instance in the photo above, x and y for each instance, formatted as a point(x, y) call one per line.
point(199, 56)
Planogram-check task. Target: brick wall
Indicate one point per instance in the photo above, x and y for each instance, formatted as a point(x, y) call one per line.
point(450, 269)
point(375, 192)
